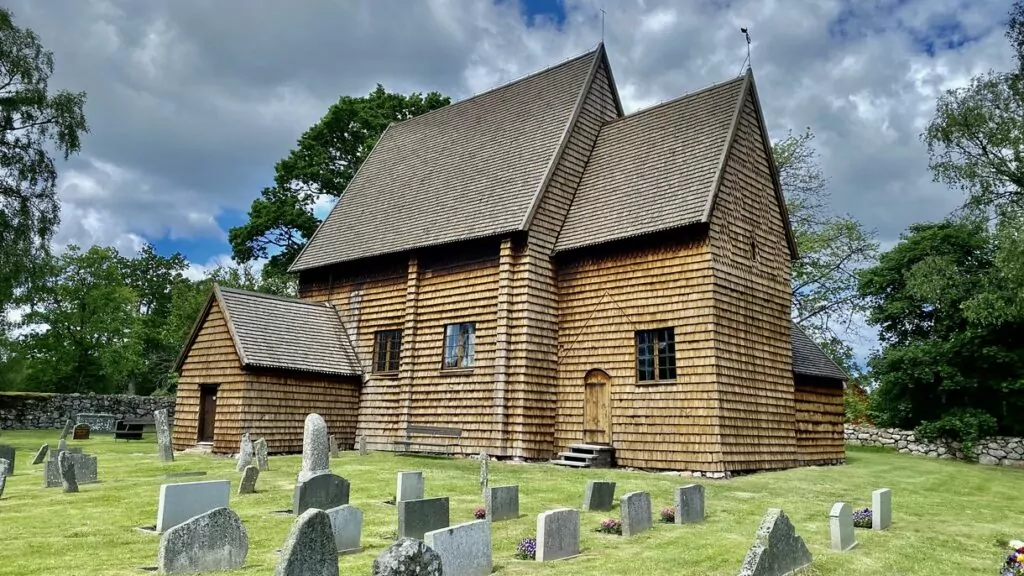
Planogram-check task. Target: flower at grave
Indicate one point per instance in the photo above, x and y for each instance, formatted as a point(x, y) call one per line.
point(862, 518)
point(480, 513)
point(1014, 565)
point(527, 549)
point(610, 526)
point(668, 515)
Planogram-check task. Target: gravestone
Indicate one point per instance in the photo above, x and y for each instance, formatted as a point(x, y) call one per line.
point(484, 462)
point(245, 452)
point(5, 467)
point(323, 491)
point(97, 422)
point(362, 445)
point(163, 436)
point(637, 517)
point(41, 454)
point(215, 540)
point(502, 503)
point(465, 549)
point(262, 461)
point(8, 453)
point(690, 504)
point(417, 517)
point(840, 523)
point(67, 472)
point(81, 432)
point(558, 534)
point(334, 446)
point(777, 549)
point(3, 483)
point(85, 469)
point(247, 485)
point(347, 525)
point(410, 486)
point(315, 447)
point(62, 445)
point(69, 425)
point(408, 557)
point(179, 502)
point(881, 509)
point(309, 549)
point(599, 495)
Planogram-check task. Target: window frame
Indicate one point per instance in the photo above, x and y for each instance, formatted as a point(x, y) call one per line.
point(660, 362)
point(461, 363)
point(383, 366)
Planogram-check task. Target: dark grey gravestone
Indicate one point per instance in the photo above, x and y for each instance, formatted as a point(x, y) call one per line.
point(41, 454)
point(315, 448)
point(465, 549)
point(8, 453)
point(599, 495)
point(163, 436)
point(69, 425)
point(690, 504)
point(408, 557)
point(777, 549)
point(881, 508)
point(245, 452)
point(637, 516)
point(85, 470)
point(347, 524)
point(502, 503)
point(840, 523)
point(417, 517)
point(215, 540)
point(67, 472)
point(323, 491)
point(558, 534)
point(248, 483)
point(262, 459)
point(309, 549)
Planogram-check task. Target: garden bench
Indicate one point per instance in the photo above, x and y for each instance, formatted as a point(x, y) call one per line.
point(447, 439)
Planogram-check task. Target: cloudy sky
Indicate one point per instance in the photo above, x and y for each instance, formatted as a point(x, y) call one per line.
point(191, 102)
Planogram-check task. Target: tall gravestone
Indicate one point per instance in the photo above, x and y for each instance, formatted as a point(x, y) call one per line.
point(777, 549)
point(409, 486)
point(262, 458)
point(840, 523)
point(5, 467)
point(881, 509)
point(214, 540)
point(245, 452)
point(484, 461)
point(68, 426)
point(315, 448)
point(309, 549)
point(599, 495)
point(247, 485)
point(558, 534)
point(67, 472)
point(333, 445)
point(465, 549)
point(8, 453)
point(362, 445)
point(690, 504)
point(163, 436)
point(636, 511)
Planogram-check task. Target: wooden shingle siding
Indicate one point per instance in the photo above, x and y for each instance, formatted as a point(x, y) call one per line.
point(819, 420)
point(752, 309)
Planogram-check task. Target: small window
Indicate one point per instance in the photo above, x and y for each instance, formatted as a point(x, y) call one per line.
point(387, 350)
point(656, 354)
point(459, 345)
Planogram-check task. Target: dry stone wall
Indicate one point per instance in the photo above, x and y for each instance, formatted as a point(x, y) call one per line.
point(22, 410)
point(995, 451)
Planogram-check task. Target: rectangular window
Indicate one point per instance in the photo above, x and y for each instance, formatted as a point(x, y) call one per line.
point(387, 350)
point(459, 345)
point(656, 354)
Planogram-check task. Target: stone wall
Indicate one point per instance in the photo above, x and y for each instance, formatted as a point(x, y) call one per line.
point(25, 410)
point(998, 450)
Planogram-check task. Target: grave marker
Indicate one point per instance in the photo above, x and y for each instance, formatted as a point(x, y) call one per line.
point(323, 491)
point(69, 424)
point(777, 548)
point(417, 517)
point(558, 534)
point(840, 523)
point(690, 504)
point(362, 445)
point(245, 452)
point(465, 549)
point(81, 432)
point(315, 447)
point(262, 461)
point(215, 540)
point(502, 503)
point(5, 467)
point(347, 525)
point(334, 446)
point(484, 462)
point(41, 454)
point(881, 509)
point(163, 436)
point(599, 495)
point(84, 464)
point(67, 472)
point(247, 485)
point(407, 557)
point(179, 502)
point(636, 511)
point(309, 549)
point(410, 486)
point(97, 422)
point(8, 453)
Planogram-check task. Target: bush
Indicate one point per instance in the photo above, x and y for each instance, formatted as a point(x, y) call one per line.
point(964, 424)
point(857, 404)
point(610, 526)
point(668, 515)
point(527, 549)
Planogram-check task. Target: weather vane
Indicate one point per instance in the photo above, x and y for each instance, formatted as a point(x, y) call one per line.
point(746, 62)
point(602, 24)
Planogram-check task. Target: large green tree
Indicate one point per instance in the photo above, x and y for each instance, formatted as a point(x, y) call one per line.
point(281, 220)
point(32, 120)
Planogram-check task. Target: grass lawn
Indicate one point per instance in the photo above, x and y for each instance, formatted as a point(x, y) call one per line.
point(948, 517)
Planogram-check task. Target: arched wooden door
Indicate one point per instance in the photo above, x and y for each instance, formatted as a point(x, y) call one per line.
point(597, 407)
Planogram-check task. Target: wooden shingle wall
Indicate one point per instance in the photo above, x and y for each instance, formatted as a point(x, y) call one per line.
point(819, 420)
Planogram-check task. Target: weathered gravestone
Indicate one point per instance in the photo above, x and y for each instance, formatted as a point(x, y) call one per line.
point(334, 446)
point(323, 491)
point(62, 445)
point(637, 516)
point(417, 517)
point(81, 432)
point(409, 487)
point(362, 445)
point(558, 534)
point(247, 485)
point(215, 540)
point(8, 453)
point(502, 503)
point(97, 422)
point(41, 454)
point(163, 436)
point(484, 462)
point(315, 447)
point(599, 495)
point(3, 484)
point(881, 509)
point(777, 549)
point(84, 464)
point(69, 425)
point(309, 549)
point(690, 504)
point(179, 502)
point(840, 523)
point(5, 467)
point(245, 452)
point(262, 461)
point(347, 525)
point(465, 549)
point(408, 557)
point(67, 472)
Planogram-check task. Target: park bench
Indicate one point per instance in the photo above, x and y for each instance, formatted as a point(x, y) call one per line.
point(446, 440)
point(129, 429)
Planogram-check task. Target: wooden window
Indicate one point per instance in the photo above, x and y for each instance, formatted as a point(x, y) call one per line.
point(387, 350)
point(459, 345)
point(656, 354)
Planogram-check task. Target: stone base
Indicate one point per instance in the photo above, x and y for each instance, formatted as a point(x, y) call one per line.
point(147, 530)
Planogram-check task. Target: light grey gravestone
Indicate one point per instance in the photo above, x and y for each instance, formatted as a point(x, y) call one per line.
point(334, 446)
point(323, 491)
point(245, 452)
point(315, 448)
point(881, 509)
point(840, 523)
point(690, 504)
point(635, 509)
point(67, 472)
point(502, 503)
point(558, 534)
point(62, 445)
point(247, 485)
point(3, 484)
point(85, 469)
point(41, 454)
point(409, 487)
point(599, 495)
point(347, 525)
point(408, 557)
point(484, 462)
point(362, 445)
point(163, 436)
point(215, 540)
point(417, 517)
point(69, 425)
point(5, 467)
point(465, 549)
point(179, 502)
point(262, 461)
point(777, 549)
point(309, 549)
point(8, 453)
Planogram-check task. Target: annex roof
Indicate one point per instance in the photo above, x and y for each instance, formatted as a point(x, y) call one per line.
point(810, 360)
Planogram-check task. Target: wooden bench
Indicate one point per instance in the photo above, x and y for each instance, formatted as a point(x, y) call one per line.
point(448, 438)
point(128, 429)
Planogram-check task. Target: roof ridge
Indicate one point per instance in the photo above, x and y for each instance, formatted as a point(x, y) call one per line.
point(676, 100)
point(267, 296)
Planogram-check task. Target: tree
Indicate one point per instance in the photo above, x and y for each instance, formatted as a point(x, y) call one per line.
point(31, 119)
point(281, 220)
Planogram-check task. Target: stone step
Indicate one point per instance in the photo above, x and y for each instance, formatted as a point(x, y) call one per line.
point(591, 448)
point(571, 464)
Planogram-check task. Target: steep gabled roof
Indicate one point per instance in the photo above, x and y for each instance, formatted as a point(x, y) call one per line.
point(810, 360)
point(285, 333)
point(469, 170)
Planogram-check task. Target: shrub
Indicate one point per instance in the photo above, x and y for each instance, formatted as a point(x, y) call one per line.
point(527, 549)
point(668, 515)
point(862, 518)
point(480, 513)
point(610, 526)
point(964, 424)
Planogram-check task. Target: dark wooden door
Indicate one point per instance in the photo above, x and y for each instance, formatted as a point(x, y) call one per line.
point(597, 404)
point(207, 412)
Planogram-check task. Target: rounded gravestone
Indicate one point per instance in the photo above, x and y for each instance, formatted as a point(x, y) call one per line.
point(310, 549)
point(408, 557)
point(316, 447)
point(216, 540)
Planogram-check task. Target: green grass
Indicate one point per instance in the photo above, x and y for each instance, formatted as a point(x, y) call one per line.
point(949, 517)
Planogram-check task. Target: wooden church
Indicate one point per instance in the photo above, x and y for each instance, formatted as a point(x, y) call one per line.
point(533, 273)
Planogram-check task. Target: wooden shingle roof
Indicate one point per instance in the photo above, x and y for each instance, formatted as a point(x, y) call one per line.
point(810, 360)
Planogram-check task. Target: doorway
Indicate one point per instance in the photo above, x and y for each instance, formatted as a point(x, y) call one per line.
point(207, 412)
point(597, 408)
